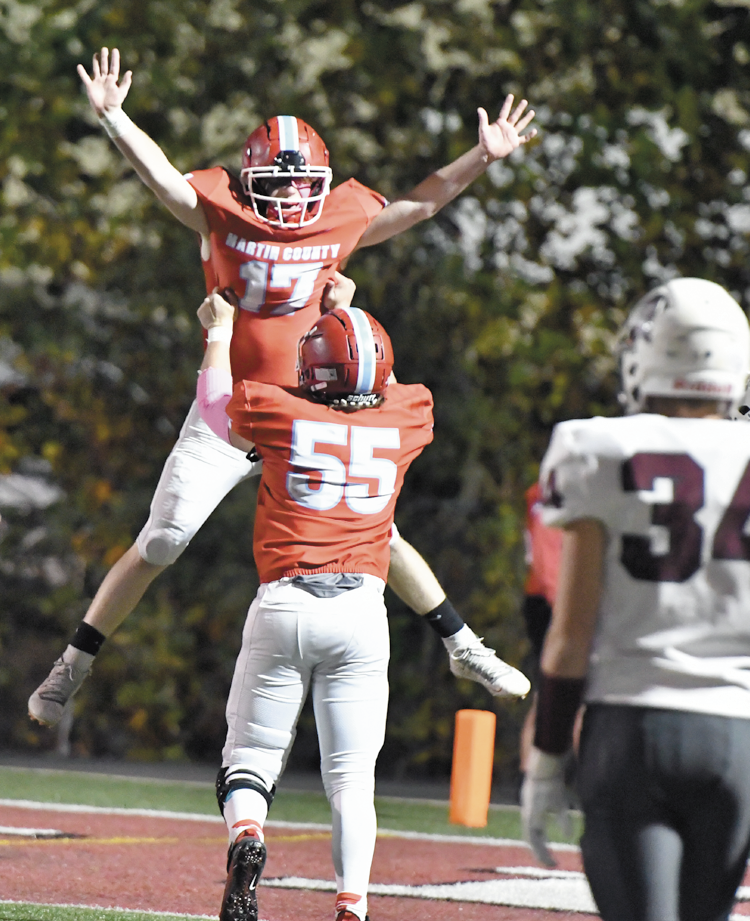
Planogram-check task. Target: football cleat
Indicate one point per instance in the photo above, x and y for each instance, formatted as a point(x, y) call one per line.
point(479, 663)
point(245, 863)
point(347, 915)
point(47, 703)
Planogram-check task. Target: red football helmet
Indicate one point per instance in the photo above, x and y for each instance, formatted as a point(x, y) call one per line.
point(345, 359)
point(285, 153)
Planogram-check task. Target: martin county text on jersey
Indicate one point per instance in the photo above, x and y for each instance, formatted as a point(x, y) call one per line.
point(273, 253)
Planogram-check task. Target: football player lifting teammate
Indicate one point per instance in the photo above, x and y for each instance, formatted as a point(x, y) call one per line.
point(275, 237)
point(651, 623)
point(321, 544)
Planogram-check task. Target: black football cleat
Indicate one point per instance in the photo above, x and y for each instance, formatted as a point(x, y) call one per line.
point(346, 915)
point(247, 857)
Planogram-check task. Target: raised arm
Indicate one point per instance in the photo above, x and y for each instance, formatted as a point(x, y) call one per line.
point(106, 94)
point(496, 140)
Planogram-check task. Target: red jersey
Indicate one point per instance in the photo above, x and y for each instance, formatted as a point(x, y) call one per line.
point(543, 549)
point(279, 274)
point(330, 478)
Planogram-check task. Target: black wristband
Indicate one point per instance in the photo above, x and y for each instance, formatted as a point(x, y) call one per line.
point(557, 703)
point(445, 619)
point(87, 639)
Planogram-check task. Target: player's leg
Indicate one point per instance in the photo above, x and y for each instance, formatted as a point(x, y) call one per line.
point(414, 582)
point(268, 689)
point(631, 851)
point(350, 695)
point(712, 797)
point(199, 472)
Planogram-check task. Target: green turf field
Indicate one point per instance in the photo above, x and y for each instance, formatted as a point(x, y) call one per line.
point(13, 912)
point(131, 793)
point(49, 786)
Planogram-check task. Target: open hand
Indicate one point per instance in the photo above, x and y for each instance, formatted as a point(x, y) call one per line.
point(503, 136)
point(104, 89)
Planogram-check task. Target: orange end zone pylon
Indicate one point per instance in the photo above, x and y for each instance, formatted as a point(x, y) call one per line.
point(471, 777)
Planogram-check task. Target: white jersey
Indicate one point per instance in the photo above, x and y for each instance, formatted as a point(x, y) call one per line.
point(673, 496)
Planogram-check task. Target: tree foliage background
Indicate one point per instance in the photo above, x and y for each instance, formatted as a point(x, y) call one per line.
point(506, 304)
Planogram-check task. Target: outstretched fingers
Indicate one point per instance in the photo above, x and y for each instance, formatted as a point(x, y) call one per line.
point(517, 112)
point(523, 138)
point(84, 75)
point(520, 123)
point(506, 107)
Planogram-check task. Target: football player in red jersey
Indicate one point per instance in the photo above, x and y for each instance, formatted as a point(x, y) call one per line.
point(651, 623)
point(275, 236)
point(334, 453)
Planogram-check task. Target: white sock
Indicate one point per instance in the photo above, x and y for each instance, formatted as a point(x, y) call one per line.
point(77, 658)
point(245, 810)
point(465, 637)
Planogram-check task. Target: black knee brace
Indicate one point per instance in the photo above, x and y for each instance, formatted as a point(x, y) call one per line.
point(240, 779)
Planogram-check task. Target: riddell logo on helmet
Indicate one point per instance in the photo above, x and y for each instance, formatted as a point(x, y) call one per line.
point(703, 387)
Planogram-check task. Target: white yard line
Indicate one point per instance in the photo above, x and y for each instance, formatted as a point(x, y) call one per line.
point(309, 826)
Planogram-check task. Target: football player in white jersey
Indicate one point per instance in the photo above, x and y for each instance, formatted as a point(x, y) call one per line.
point(651, 625)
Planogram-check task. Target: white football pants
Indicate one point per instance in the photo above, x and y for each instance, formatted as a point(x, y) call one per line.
point(340, 646)
point(200, 470)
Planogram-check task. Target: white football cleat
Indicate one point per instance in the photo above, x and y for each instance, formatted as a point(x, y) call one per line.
point(47, 703)
point(479, 663)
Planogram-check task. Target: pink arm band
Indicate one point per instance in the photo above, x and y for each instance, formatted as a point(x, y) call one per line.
point(213, 393)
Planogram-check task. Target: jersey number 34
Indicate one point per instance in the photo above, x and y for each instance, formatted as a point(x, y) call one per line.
point(677, 516)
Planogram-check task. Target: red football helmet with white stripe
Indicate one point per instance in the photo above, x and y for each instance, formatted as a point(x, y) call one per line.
point(345, 359)
point(285, 172)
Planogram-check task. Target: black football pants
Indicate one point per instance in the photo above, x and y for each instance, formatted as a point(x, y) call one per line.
point(666, 800)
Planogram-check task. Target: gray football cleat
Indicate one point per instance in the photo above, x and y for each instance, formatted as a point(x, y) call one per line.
point(479, 663)
point(47, 703)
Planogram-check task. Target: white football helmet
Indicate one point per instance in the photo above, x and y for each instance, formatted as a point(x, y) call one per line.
point(688, 338)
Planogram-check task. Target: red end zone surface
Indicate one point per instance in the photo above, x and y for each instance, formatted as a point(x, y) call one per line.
point(177, 865)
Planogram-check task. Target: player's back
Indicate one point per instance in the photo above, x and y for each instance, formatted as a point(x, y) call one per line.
point(674, 498)
point(330, 478)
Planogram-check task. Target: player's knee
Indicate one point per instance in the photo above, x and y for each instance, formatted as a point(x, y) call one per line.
point(162, 546)
point(239, 777)
point(357, 783)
